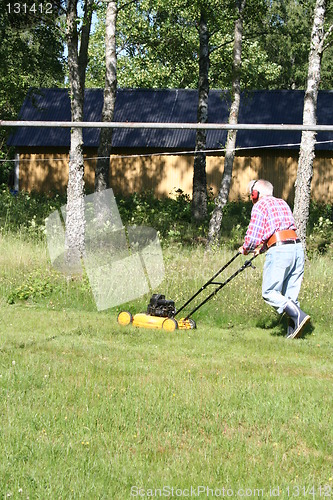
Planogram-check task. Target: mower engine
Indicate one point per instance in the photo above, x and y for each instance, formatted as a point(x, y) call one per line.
point(159, 306)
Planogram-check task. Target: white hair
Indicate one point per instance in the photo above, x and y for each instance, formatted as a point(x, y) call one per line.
point(265, 188)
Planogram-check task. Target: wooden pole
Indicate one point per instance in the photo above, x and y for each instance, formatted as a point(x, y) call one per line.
point(152, 125)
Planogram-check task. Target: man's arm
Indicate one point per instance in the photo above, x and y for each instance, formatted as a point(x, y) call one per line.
point(255, 231)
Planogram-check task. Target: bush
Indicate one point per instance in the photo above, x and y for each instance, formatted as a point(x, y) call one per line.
point(170, 216)
point(26, 212)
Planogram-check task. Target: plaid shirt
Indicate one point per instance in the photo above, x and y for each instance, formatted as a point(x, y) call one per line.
point(268, 215)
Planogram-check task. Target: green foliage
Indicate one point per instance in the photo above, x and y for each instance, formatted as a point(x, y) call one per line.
point(30, 54)
point(236, 218)
point(6, 165)
point(36, 285)
point(320, 229)
point(170, 216)
point(286, 40)
point(26, 212)
point(47, 287)
point(320, 240)
point(159, 44)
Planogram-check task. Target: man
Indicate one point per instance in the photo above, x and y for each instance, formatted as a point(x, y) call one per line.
point(272, 225)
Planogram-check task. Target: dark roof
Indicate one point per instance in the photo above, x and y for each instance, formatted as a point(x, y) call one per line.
point(151, 105)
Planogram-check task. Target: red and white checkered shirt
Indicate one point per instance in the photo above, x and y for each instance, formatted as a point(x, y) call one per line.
point(268, 215)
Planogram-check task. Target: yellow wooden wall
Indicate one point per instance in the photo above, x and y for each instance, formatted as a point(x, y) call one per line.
point(164, 174)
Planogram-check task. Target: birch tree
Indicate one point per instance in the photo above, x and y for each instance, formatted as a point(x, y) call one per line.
point(222, 198)
point(77, 63)
point(110, 89)
point(199, 196)
point(308, 140)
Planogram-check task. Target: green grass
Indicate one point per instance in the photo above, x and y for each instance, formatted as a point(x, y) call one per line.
point(90, 409)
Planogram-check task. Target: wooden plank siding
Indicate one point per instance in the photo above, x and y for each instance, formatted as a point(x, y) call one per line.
point(47, 171)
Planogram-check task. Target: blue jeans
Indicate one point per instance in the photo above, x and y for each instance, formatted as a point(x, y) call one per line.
point(283, 275)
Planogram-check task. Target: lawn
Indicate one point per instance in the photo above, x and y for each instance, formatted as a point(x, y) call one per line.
point(90, 409)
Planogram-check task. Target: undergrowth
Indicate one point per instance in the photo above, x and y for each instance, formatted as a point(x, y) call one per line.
point(170, 216)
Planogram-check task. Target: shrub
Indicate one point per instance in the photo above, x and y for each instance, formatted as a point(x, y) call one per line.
point(170, 216)
point(26, 212)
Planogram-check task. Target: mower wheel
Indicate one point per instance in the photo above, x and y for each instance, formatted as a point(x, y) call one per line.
point(186, 324)
point(192, 323)
point(170, 325)
point(124, 318)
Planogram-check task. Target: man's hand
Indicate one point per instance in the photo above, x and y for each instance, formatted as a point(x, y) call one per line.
point(241, 250)
point(256, 251)
point(260, 249)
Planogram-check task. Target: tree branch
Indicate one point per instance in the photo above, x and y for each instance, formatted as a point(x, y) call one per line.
point(126, 4)
point(83, 54)
point(326, 36)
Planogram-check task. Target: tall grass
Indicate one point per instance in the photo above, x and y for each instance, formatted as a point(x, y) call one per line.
point(93, 410)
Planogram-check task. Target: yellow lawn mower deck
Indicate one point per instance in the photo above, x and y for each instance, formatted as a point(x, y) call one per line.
point(143, 320)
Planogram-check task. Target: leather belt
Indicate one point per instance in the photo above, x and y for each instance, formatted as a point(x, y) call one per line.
point(285, 237)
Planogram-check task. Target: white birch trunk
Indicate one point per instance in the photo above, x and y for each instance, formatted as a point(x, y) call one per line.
point(77, 62)
point(307, 148)
point(223, 195)
point(110, 89)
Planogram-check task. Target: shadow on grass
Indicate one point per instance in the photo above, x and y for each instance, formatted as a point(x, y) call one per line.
point(279, 326)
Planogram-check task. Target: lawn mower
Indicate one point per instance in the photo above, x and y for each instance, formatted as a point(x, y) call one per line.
point(161, 313)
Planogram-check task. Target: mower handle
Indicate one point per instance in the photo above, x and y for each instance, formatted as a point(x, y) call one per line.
point(246, 264)
point(207, 283)
point(249, 261)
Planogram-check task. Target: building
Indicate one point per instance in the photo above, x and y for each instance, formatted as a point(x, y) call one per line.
point(162, 159)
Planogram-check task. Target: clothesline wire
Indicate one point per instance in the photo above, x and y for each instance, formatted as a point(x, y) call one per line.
point(174, 153)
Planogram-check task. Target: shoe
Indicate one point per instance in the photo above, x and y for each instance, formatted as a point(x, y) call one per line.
point(290, 328)
point(298, 317)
